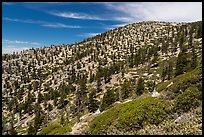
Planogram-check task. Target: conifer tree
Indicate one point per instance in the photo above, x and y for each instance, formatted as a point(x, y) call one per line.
point(93, 103)
point(191, 45)
point(108, 99)
point(140, 86)
point(12, 128)
point(126, 89)
point(31, 130)
point(181, 63)
point(62, 120)
point(170, 70)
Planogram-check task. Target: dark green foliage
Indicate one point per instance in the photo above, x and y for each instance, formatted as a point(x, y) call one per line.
point(81, 97)
point(39, 116)
point(28, 104)
point(190, 98)
point(164, 72)
point(126, 89)
point(55, 129)
point(40, 97)
point(62, 120)
point(50, 107)
point(150, 86)
point(182, 83)
point(4, 121)
point(140, 86)
point(93, 103)
point(31, 130)
point(130, 116)
point(108, 99)
point(170, 70)
point(181, 63)
point(12, 129)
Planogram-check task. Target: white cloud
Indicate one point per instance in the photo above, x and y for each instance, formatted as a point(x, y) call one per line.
point(130, 12)
point(11, 49)
point(19, 42)
point(9, 46)
point(22, 21)
point(158, 11)
point(59, 25)
point(41, 23)
point(87, 35)
point(73, 15)
point(116, 26)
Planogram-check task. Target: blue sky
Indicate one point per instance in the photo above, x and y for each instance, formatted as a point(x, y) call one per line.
point(37, 24)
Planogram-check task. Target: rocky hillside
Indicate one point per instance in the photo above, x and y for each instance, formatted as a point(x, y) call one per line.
point(56, 86)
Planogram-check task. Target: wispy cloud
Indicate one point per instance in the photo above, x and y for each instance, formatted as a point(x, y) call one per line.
point(87, 35)
point(10, 46)
point(158, 11)
point(41, 23)
point(115, 26)
point(24, 20)
point(59, 25)
point(73, 15)
point(19, 42)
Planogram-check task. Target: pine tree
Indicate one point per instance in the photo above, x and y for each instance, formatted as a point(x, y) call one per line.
point(38, 117)
point(93, 103)
point(140, 86)
point(40, 97)
point(170, 70)
point(126, 89)
point(50, 107)
point(62, 120)
point(108, 99)
point(181, 63)
point(12, 129)
point(164, 72)
point(181, 40)
point(191, 45)
point(81, 97)
point(31, 130)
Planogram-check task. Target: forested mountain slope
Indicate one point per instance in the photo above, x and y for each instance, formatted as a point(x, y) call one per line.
point(55, 86)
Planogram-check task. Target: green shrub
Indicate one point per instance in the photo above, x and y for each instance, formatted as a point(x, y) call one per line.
point(162, 86)
point(55, 129)
point(130, 116)
point(182, 82)
point(190, 98)
point(49, 128)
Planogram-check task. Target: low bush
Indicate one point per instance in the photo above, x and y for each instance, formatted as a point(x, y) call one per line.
point(130, 116)
point(55, 129)
point(190, 98)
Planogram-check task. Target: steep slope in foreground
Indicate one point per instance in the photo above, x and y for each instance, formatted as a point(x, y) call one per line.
point(179, 112)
